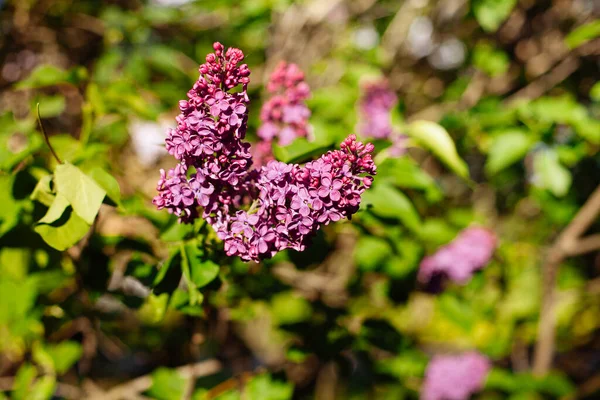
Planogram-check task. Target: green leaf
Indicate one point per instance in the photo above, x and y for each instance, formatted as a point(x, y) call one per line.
point(64, 232)
point(405, 173)
point(169, 274)
point(154, 308)
point(43, 389)
point(388, 202)
point(507, 148)
point(553, 384)
point(42, 358)
point(435, 138)
point(23, 381)
point(492, 61)
point(64, 355)
point(202, 270)
point(300, 150)
point(10, 208)
point(17, 300)
point(49, 75)
point(370, 252)
point(107, 182)
point(263, 387)
point(56, 210)
point(595, 92)
point(167, 384)
point(82, 192)
point(51, 106)
point(290, 308)
point(176, 232)
point(583, 34)
point(180, 300)
point(492, 13)
point(550, 174)
point(17, 144)
point(563, 110)
point(43, 192)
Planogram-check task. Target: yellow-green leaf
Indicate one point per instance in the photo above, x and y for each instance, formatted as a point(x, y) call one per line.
point(435, 138)
point(82, 192)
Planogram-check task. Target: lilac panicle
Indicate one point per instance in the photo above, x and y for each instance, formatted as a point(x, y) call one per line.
point(375, 107)
point(469, 252)
point(285, 115)
point(256, 212)
point(455, 377)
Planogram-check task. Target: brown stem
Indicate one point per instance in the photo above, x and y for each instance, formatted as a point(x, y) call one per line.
point(46, 135)
point(568, 243)
point(143, 383)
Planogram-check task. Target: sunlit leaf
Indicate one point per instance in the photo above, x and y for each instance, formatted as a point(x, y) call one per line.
point(492, 13)
point(388, 202)
point(300, 150)
point(492, 61)
point(435, 138)
point(25, 376)
point(507, 148)
point(290, 308)
point(43, 388)
point(56, 210)
point(167, 384)
point(107, 182)
point(43, 191)
point(263, 387)
point(583, 34)
point(64, 355)
point(82, 192)
point(49, 75)
point(65, 232)
point(550, 174)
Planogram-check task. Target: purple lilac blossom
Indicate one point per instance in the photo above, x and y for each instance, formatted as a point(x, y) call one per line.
point(285, 115)
point(256, 212)
point(375, 120)
point(455, 377)
point(469, 252)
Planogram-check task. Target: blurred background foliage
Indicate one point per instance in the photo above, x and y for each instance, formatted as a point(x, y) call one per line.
point(91, 294)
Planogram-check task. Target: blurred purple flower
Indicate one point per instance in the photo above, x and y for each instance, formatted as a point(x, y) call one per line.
point(375, 107)
point(285, 115)
point(469, 252)
point(455, 377)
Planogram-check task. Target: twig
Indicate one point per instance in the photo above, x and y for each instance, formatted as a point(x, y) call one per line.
point(546, 82)
point(568, 243)
point(46, 135)
point(143, 383)
point(326, 386)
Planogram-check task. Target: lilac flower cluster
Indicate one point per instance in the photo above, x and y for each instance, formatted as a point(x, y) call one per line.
point(256, 212)
point(470, 251)
point(455, 377)
point(285, 115)
point(295, 201)
point(375, 108)
point(208, 137)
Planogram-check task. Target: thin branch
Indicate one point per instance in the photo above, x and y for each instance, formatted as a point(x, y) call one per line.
point(546, 82)
point(39, 119)
point(567, 244)
point(138, 385)
point(585, 245)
